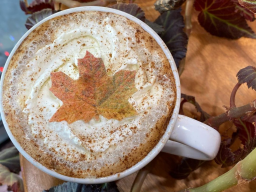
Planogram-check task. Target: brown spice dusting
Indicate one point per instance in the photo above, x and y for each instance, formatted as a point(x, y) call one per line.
point(67, 169)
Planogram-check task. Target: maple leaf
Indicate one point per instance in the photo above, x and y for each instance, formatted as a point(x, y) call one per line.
point(94, 93)
point(220, 18)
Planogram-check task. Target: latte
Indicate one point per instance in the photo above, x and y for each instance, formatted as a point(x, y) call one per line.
point(101, 145)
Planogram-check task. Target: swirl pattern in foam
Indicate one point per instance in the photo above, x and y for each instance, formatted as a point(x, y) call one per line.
point(100, 147)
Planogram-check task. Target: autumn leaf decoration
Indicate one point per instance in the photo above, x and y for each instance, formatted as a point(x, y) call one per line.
point(94, 93)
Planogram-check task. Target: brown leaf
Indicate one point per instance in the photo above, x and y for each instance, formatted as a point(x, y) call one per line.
point(94, 93)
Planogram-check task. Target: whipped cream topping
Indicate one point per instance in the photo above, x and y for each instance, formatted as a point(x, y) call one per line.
point(112, 39)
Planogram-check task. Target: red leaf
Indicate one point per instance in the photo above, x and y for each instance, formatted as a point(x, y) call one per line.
point(226, 157)
point(220, 18)
point(249, 4)
point(246, 13)
point(23, 6)
point(246, 131)
point(37, 5)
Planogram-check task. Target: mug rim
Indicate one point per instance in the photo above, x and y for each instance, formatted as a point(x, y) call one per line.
point(158, 147)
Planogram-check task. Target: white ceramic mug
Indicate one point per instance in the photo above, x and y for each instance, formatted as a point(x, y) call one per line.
point(184, 136)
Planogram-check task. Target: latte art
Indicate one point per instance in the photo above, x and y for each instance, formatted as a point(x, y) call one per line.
point(100, 146)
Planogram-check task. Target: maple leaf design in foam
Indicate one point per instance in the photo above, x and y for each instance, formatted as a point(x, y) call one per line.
point(94, 93)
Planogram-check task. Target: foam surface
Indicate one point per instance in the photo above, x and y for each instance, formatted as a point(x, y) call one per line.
point(105, 145)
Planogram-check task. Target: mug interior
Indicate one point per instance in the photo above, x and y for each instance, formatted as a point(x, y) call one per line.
point(152, 154)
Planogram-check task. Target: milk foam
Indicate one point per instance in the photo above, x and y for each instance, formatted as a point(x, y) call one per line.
point(115, 43)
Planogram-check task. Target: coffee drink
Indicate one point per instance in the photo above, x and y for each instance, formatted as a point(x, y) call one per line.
point(68, 99)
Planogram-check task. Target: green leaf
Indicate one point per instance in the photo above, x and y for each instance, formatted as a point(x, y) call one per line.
point(37, 16)
point(76, 187)
point(9, 178)
point(220, 18)
point(174, 36)
point(10, 159)
point(247, 75)
point(132, 9)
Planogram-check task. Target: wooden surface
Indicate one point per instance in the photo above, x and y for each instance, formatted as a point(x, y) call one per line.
point(209, 75)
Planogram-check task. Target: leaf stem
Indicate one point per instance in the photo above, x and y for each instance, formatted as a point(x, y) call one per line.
point(244, 170)
point(228, 179)
point(181, 106)
point(188, 16)
point(233, 95)
point(235, 112)
point(221, 183)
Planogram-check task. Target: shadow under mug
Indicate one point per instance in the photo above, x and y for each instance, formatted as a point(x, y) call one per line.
point(184, 136)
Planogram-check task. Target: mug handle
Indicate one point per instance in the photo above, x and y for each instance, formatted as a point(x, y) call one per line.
point(193, 139)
